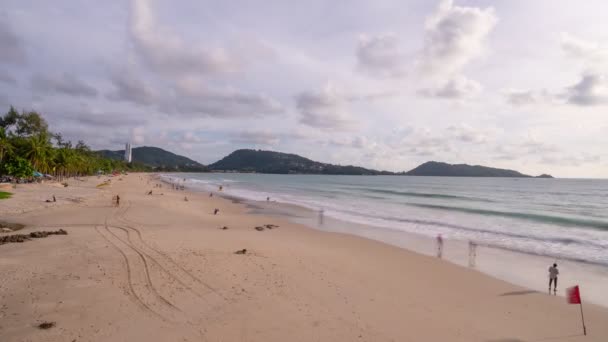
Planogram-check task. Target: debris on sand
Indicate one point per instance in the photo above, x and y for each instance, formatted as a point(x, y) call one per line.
point(241, 251)
point(224, 228)
point(258, 228)
point(270, 226)
point(33, 235)
point(46, 325)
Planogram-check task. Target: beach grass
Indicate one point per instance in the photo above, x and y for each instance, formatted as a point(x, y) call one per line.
point(5, 195)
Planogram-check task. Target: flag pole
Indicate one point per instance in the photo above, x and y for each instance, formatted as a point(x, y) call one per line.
point(583, 318)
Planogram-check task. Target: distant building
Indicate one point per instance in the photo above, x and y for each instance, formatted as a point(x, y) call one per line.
point(128, 152)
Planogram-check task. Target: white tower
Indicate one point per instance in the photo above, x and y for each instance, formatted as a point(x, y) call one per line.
point(128, 152)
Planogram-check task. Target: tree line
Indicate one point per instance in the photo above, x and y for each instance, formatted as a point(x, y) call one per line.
point(27, 145)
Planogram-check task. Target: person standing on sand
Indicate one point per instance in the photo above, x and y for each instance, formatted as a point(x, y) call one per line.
point(472, 253)
point(439, 246)
point(117, 200)
point(553, 272)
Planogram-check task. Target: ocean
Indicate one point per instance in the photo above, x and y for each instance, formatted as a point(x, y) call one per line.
point(560, 220)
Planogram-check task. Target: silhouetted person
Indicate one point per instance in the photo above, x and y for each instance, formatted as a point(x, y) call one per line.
point(321, 212)
point(54, 199)
point(211, 194)
point(439, 246)
point(472, 253)
point(553, 272)
point(216, 211)
point(185, 198)
point(117, 200)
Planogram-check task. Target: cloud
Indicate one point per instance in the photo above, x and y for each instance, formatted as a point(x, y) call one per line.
point(380, 55)
point(12, 51)
point(459, 87)
point(7, 78)
point(325, 109)
point(194, 98)
point(256, 138)
point(166, 53)
point(62, 84)
point(591, 90)
point(129, 88)
point(468, 134)
point(521, 97)
point(590, 52)
point(454, 36)
point(138, 135)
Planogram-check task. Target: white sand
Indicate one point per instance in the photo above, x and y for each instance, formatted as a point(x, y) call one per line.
point(159, 269)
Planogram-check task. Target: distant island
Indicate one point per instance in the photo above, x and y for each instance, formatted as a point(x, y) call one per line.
point(433, 168)
point(260, 161)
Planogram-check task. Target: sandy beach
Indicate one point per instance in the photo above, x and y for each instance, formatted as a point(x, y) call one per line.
point(159, 268)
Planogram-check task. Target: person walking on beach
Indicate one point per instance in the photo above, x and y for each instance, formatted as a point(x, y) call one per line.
point(553, 272)
point(117, 200)
point(439, 246)
point(321, 212)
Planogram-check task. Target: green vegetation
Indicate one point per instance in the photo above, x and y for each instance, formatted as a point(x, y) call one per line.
point(158, 159)
point(283, 163)
point(5, 195)
point(463, 170)
point(27, 146)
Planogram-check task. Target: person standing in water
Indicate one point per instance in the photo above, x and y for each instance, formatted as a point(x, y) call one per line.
point(553, 272)
point(439, 246)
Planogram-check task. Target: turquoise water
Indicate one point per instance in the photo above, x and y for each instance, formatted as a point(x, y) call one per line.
point(565, 219)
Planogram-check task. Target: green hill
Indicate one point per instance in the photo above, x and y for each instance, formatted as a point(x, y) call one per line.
point(157, 158)
point(463, 170)
point(283, 163)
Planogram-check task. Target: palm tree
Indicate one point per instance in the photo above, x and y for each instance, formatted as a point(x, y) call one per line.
point(6, 147)
point(38, 151)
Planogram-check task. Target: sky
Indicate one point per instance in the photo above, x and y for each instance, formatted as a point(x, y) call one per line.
point(384, 84)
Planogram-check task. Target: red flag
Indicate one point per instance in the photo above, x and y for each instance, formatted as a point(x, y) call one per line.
point(573, 295)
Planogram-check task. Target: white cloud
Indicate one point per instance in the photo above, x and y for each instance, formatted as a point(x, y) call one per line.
point(454, 36)
point(381, 55)
point(63, 83)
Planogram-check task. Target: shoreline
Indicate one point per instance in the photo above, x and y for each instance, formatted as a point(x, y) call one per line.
point(495, 261)
point(165, 263)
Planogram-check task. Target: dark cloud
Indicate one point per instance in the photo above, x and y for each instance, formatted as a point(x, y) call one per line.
point(456, 88)
point(61, 84)
point(7, 78)
point(325, 109)
point(129, 88)
point(256, 138)
point(381, 56)
point(196, 99)
point(591, 90)
point(167, 53)
point(12, 50)
point(521, 97)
